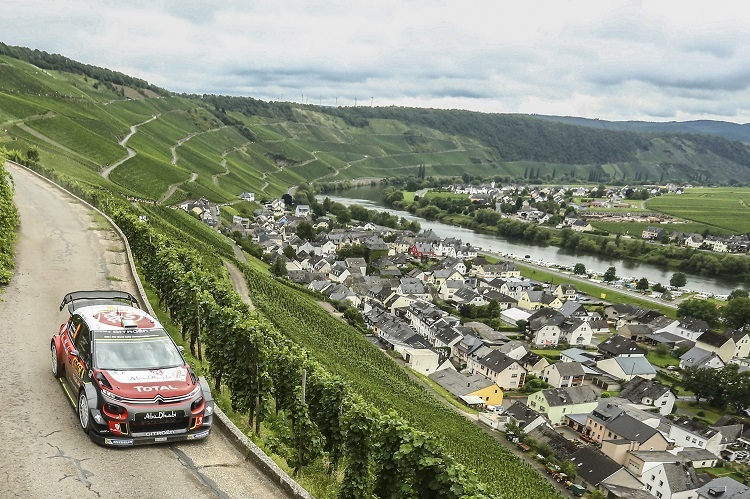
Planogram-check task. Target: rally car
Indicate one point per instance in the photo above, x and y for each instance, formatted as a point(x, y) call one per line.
point(126, 378)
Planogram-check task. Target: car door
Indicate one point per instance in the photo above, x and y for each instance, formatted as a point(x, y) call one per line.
point(79, 358)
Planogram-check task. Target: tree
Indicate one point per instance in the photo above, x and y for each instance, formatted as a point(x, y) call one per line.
point(642, 284)
point(305, 230)
point(700, 381)
point(738, 293)
point(699, 309)
point(343, 217)
point(736, 312)
point(289, 252)
point(610, 274)
point(278, 267)
point(579, 269)
point(678, 280)
point(662, 350)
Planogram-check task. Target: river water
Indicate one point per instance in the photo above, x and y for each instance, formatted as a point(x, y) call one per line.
point(370, 198)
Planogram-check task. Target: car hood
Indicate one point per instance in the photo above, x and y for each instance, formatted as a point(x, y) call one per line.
point(170, 382)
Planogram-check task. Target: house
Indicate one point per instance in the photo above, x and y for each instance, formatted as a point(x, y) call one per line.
point(426, 361)
point(675, 480)
point(723, 345)
point(724, 488)
point(505, 371)
point(247, 196)
point(524, 417)
point(534, 363)
point(574, 310)
point(687, 433)
point(653, 233)
point(627, 368)
point(742, 343)
point(565, 292)
point(697, 357)
point(302, 210)
point(612, 425)
point(635, 332)
point(545, 326)
point(620, 346)
point(556, 403)
point(649, 392)
point(534, 300)
point(473, 389)
point(562, 374)
point(593, 469)
point(576, 332)
point(588, 357)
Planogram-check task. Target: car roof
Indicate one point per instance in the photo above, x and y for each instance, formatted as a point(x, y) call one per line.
point(116, 317)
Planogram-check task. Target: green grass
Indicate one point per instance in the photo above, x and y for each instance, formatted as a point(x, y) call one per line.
point(725, 208)
point(662, 360)
point(711, 414)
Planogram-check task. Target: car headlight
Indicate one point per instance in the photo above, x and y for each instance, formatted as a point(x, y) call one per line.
point(208, 410)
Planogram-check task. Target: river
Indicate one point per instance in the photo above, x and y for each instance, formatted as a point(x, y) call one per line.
point(370, 198)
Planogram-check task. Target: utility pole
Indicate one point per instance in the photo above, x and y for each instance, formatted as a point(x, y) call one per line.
point(355, 102)
point(371, 99)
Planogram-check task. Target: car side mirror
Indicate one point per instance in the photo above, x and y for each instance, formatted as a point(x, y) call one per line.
point(180, 348)
point(75, 353)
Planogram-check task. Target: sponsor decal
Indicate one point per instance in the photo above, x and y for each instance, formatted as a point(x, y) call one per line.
point(150, 416)
point(155, 375)
point(117, 317)
point(198, 422)
point(118, 441)
point(78, 367)
point(158, 433)
point(194, 436)
point(160, 439)
point(157, 388)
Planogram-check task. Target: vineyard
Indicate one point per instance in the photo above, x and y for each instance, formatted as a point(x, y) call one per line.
point(376, 432)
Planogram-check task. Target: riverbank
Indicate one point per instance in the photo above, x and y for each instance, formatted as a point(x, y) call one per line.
point(592, 288)
point(490, 240)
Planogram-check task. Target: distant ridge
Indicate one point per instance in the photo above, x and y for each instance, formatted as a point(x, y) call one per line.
point(723, 129)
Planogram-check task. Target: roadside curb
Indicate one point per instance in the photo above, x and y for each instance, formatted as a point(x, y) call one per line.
point(235, 435)
point(260, 458)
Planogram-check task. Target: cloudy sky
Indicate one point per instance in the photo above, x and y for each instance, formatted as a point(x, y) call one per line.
point(617, 60)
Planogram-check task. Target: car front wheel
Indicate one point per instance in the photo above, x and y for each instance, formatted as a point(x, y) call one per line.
point(84, 414)
point(57, 368)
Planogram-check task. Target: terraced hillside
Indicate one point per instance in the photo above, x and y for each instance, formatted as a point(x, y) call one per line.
point(172, 148)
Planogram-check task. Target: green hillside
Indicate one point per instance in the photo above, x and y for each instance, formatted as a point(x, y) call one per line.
point(187, 146)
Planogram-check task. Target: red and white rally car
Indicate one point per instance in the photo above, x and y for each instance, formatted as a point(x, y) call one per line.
point(125, 376)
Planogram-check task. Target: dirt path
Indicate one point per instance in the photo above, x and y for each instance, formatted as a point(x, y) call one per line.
point(130, 152)
point(173, 188)
point(239, 283)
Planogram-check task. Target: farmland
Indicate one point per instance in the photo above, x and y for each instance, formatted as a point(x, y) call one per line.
point(726, 208)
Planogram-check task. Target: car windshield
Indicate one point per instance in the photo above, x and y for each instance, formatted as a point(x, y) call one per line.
point(135, 351)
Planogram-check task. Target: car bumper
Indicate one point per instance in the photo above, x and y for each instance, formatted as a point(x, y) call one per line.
point(155, 437)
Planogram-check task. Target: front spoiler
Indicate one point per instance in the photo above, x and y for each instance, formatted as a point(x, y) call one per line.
point(128, 441)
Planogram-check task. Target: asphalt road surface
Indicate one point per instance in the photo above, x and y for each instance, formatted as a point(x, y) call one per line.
point(63, 246)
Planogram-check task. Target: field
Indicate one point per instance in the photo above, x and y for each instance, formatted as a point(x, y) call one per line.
point(726, 208)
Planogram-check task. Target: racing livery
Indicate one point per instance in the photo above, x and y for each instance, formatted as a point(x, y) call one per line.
point(126, 378)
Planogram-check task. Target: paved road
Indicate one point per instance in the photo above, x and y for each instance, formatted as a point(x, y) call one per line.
point(64, 247)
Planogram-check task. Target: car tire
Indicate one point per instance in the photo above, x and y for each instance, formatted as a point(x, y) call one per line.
point(84, 412)
point(57, 367)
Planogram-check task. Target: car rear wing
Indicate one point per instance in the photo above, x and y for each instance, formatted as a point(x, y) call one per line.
point(78, 299)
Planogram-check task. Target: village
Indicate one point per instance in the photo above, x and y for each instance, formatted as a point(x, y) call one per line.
point(559, 372)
